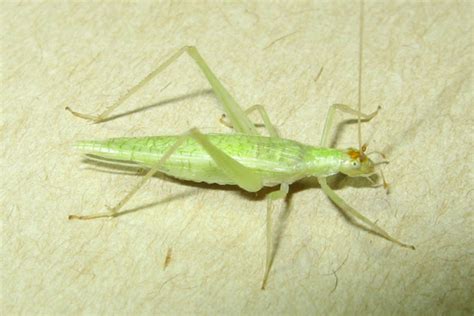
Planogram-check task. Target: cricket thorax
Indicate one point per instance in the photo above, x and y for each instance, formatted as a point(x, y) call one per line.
point(323, 162)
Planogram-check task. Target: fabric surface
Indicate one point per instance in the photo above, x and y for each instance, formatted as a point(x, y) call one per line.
point(418, 65)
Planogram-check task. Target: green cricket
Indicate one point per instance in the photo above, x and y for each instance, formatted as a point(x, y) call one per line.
point(244, 158)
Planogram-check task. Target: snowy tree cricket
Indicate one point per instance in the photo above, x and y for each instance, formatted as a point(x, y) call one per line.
point(245, 158)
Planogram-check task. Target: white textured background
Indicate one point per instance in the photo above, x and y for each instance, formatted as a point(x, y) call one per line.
point(418, 65)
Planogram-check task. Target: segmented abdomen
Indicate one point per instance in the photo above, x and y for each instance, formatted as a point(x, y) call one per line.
point(274, 159)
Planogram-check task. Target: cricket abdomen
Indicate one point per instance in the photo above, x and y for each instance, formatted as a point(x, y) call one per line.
point(277, 160)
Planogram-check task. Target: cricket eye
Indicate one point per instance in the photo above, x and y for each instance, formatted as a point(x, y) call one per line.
point(355, 164)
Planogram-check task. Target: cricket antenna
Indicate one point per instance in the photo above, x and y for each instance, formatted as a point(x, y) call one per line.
point(361, 40)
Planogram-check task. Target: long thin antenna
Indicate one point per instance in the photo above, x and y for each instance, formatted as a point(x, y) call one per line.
point(361, 40)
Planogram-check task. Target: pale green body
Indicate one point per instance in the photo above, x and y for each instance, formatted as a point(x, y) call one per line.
point(245, 158)
point(276, 160)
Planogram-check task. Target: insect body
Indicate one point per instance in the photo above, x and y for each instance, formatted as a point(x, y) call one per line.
point(276, 160)
point(244, 158)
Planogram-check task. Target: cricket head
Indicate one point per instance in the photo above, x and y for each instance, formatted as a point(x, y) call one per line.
point(357, 164)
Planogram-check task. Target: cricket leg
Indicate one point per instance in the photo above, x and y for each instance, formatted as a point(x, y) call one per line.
point(114, 211)
point(272, 131)
point(352, 213)
point(346, 109)
point(106, 113)
point(280, 194)
point(244, 177)
point(235, 113)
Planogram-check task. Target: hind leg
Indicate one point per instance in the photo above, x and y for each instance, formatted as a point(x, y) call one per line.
point(236, 115)
point(244, 177)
